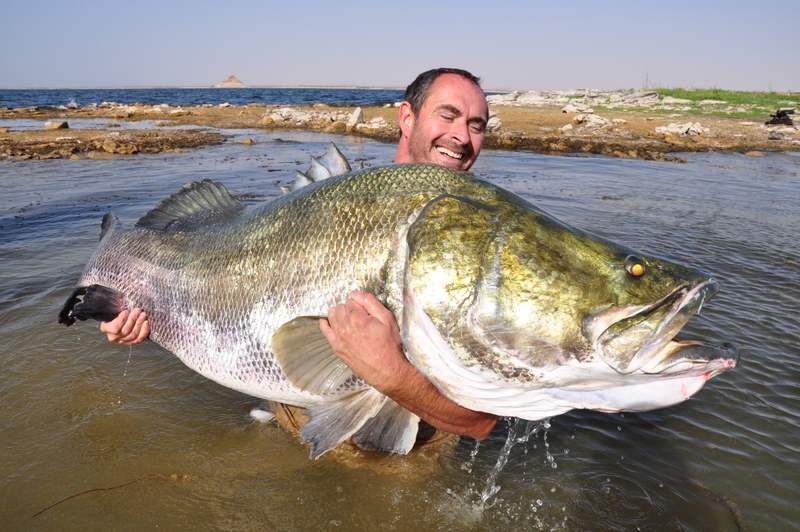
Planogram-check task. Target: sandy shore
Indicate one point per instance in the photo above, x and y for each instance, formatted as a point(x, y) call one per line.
point(535, 128)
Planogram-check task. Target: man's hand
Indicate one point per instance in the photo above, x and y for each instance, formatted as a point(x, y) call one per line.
point(364, 334)
point(129, 328)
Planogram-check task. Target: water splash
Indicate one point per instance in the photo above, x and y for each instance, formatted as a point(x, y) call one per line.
point(519, 431)
point(124, 375)
point(472, 503)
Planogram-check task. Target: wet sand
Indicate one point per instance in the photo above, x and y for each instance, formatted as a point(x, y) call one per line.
point(534, 128)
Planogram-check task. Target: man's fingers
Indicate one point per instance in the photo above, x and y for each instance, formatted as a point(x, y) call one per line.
point(372, 306)
point(129, 328)
point(114, 326)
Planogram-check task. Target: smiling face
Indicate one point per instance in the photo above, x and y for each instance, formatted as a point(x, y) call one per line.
point(449, 128)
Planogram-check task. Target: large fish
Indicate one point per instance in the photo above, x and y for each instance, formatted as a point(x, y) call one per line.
point(506, 309)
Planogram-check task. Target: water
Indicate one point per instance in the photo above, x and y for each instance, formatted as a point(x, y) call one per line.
point(175, 96)
point(173, 450)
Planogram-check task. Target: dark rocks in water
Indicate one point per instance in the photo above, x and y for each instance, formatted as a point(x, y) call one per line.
point(56, 124)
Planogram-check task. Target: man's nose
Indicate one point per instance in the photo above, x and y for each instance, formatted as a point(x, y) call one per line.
point(460, 132)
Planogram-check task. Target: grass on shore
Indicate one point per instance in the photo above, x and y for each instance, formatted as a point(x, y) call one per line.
point(739, 99)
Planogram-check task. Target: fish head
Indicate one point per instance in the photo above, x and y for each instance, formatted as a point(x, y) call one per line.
point(526, 301)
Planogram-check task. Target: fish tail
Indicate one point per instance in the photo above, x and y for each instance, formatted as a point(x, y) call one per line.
point(92, 302)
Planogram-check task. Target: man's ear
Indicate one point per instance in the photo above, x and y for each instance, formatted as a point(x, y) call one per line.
point(405, 118)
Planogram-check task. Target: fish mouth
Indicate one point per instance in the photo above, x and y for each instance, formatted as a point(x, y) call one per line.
point(641, 337)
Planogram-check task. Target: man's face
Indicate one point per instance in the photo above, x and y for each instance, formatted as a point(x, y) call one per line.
point(449, 129)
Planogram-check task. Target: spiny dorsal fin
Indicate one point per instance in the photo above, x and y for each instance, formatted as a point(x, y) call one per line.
point(334, 161)
point(195, 198)
point(330, 164)
point(306, 357)
point(316, 171)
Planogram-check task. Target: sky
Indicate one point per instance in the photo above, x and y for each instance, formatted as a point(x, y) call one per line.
point(525, 45)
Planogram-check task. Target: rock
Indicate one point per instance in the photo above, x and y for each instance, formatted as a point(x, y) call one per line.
point(619, 121)
point(566, 130)
point(56, 124)
point(320, 106)
point(179, 112)
point(754, 154)
point(355, 119)
point(502, 99)
point(493, 125)
point(671, 100)
point(590, 122)
point(778, 135)
point(224, 105)
point(249, 142)
point(688, 128)
point(229, 82)
point(640, 97)
point(99, 155)
point(541, 98)
point(4, 130)
point(577, 107)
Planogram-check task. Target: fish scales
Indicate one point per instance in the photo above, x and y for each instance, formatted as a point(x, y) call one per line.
point(504, 308)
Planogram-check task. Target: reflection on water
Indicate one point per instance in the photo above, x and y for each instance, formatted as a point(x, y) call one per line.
point(80, 413)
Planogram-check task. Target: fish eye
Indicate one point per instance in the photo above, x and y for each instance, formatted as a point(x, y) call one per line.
point(635, 265)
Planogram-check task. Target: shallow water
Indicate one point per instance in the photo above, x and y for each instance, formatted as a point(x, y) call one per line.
point(177, 450)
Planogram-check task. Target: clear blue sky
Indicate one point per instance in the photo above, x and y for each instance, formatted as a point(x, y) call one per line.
point(525, 45)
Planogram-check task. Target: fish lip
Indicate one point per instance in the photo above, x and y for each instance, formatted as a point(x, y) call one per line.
point(656, 347)
point(689, 356)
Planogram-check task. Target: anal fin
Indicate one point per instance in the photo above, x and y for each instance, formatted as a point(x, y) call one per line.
point(332, 423)
point(393, 430)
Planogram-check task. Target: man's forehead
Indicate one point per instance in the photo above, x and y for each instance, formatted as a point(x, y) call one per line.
point(455, 92)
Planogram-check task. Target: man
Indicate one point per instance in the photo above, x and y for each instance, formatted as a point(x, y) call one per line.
point(442, 121)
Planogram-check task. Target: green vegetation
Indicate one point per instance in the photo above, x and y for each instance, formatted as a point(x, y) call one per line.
point(768, 100)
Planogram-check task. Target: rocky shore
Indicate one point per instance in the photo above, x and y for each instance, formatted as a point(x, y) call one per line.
point(619, 124)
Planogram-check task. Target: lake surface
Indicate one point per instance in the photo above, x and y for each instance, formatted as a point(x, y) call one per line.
point(134, 440)
point(178, 96)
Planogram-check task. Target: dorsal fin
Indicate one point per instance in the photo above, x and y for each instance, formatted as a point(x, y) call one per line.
point(109, 224)
point(334, 161)
point(203, 197)
point(316, 171)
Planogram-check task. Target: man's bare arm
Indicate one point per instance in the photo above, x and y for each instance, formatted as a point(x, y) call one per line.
point(129, 328)
point(364, 334)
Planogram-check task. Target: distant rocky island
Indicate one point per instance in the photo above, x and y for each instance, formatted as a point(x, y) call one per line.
point(230, 81)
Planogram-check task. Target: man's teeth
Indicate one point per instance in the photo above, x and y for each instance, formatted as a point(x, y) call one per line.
point(449, 153)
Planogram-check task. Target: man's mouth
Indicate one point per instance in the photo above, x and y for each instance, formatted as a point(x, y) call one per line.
point(449, 153)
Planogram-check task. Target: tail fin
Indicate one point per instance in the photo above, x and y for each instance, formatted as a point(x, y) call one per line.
point(92, 302)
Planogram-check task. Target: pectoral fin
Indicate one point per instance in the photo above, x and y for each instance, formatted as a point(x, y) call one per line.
point(306, 357)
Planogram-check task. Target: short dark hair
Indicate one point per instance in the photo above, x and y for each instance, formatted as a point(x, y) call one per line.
point(417, 92)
